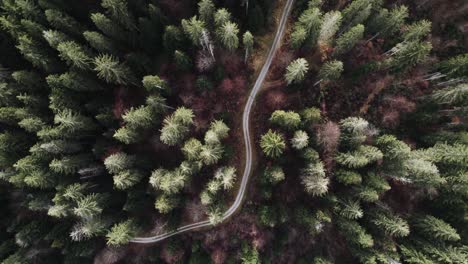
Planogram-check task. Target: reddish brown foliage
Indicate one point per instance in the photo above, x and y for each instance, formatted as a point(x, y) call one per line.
point(119, 102)
point(110, 255)
point(328, 136)
point(169, 255)
point(226, 86)
point(275, 99)
point(110, 151)
point(368, 51)
point(392, 108)
point(280, 62)
point(176, 8)
point(204, 61)
point(195, 211)
point(233, 64)
point(218, 256)
point(219, 240)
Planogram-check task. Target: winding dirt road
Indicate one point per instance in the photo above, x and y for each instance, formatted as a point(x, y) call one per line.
point(247, 139)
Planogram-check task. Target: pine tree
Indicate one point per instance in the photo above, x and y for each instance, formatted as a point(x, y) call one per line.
point(32, 28)
point(173, 38)
point(453, 155)
point(193, 28)
point(31, 124)
point(412, 256)
point(76, 191)
point(408, 54)
point(307, 29)
point(181, 60)
point(118, 162)
point(118, 11)
point(36, 54)
point(350, 209)
point(311, 116)
point(417, 31)
point(272, 144)
point(226, 176)
point(314, 180)
point(355, 234)
point(248, 42)
point(88, 206)
point(250, 255)
point(165, 203)
point(298, 37)
point(354, 130)
point(300, 140)
point(227, 34)
point(111, 70)
point(296, 71)
point(423, 173)
point(63, 22)
point(393, 148)
point(100, 42)
point(192, 149)
point(139, 118)
point(456, 66)
point(434, 228)
point(28, 79)
point(184, 116)
point(74, 122)
point(274, 174)
point(87, 229)
point(54, 38)
point(363, 156)
point(348, 40)
point(40, 179)
point(452, 95)
point(126, 179)
point(331, 70)
point(170, 182)
point(172, 132)
point(221, 17)
point(206, 9)
point(154, 83)
point(288, 120)
point(176, 126)
point(74, 55)
point(330, 24)
point(127, 135)
point(108, 27)
point(388, 22)
point(356, 12)
point(215, 215)
point(121, 233)
point(348, 177)
point(75, 81)
point(211, 154)
point(70, 164)
point(391, 225)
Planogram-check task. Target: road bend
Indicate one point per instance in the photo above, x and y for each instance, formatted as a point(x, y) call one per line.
point(247, 139)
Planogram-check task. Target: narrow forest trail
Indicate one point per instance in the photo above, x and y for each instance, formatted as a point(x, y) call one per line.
point(247, 138)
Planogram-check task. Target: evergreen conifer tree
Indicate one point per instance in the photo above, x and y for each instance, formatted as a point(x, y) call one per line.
point(272, 144)
point(349, 39)
point(296, 71)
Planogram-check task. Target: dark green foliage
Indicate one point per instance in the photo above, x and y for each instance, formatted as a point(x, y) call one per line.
point(111, 70)
point(99, 42)
point(204, 84)
point(97, 142)
point(63, 22)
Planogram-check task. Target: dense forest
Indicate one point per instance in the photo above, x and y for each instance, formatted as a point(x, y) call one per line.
point(123, 120)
